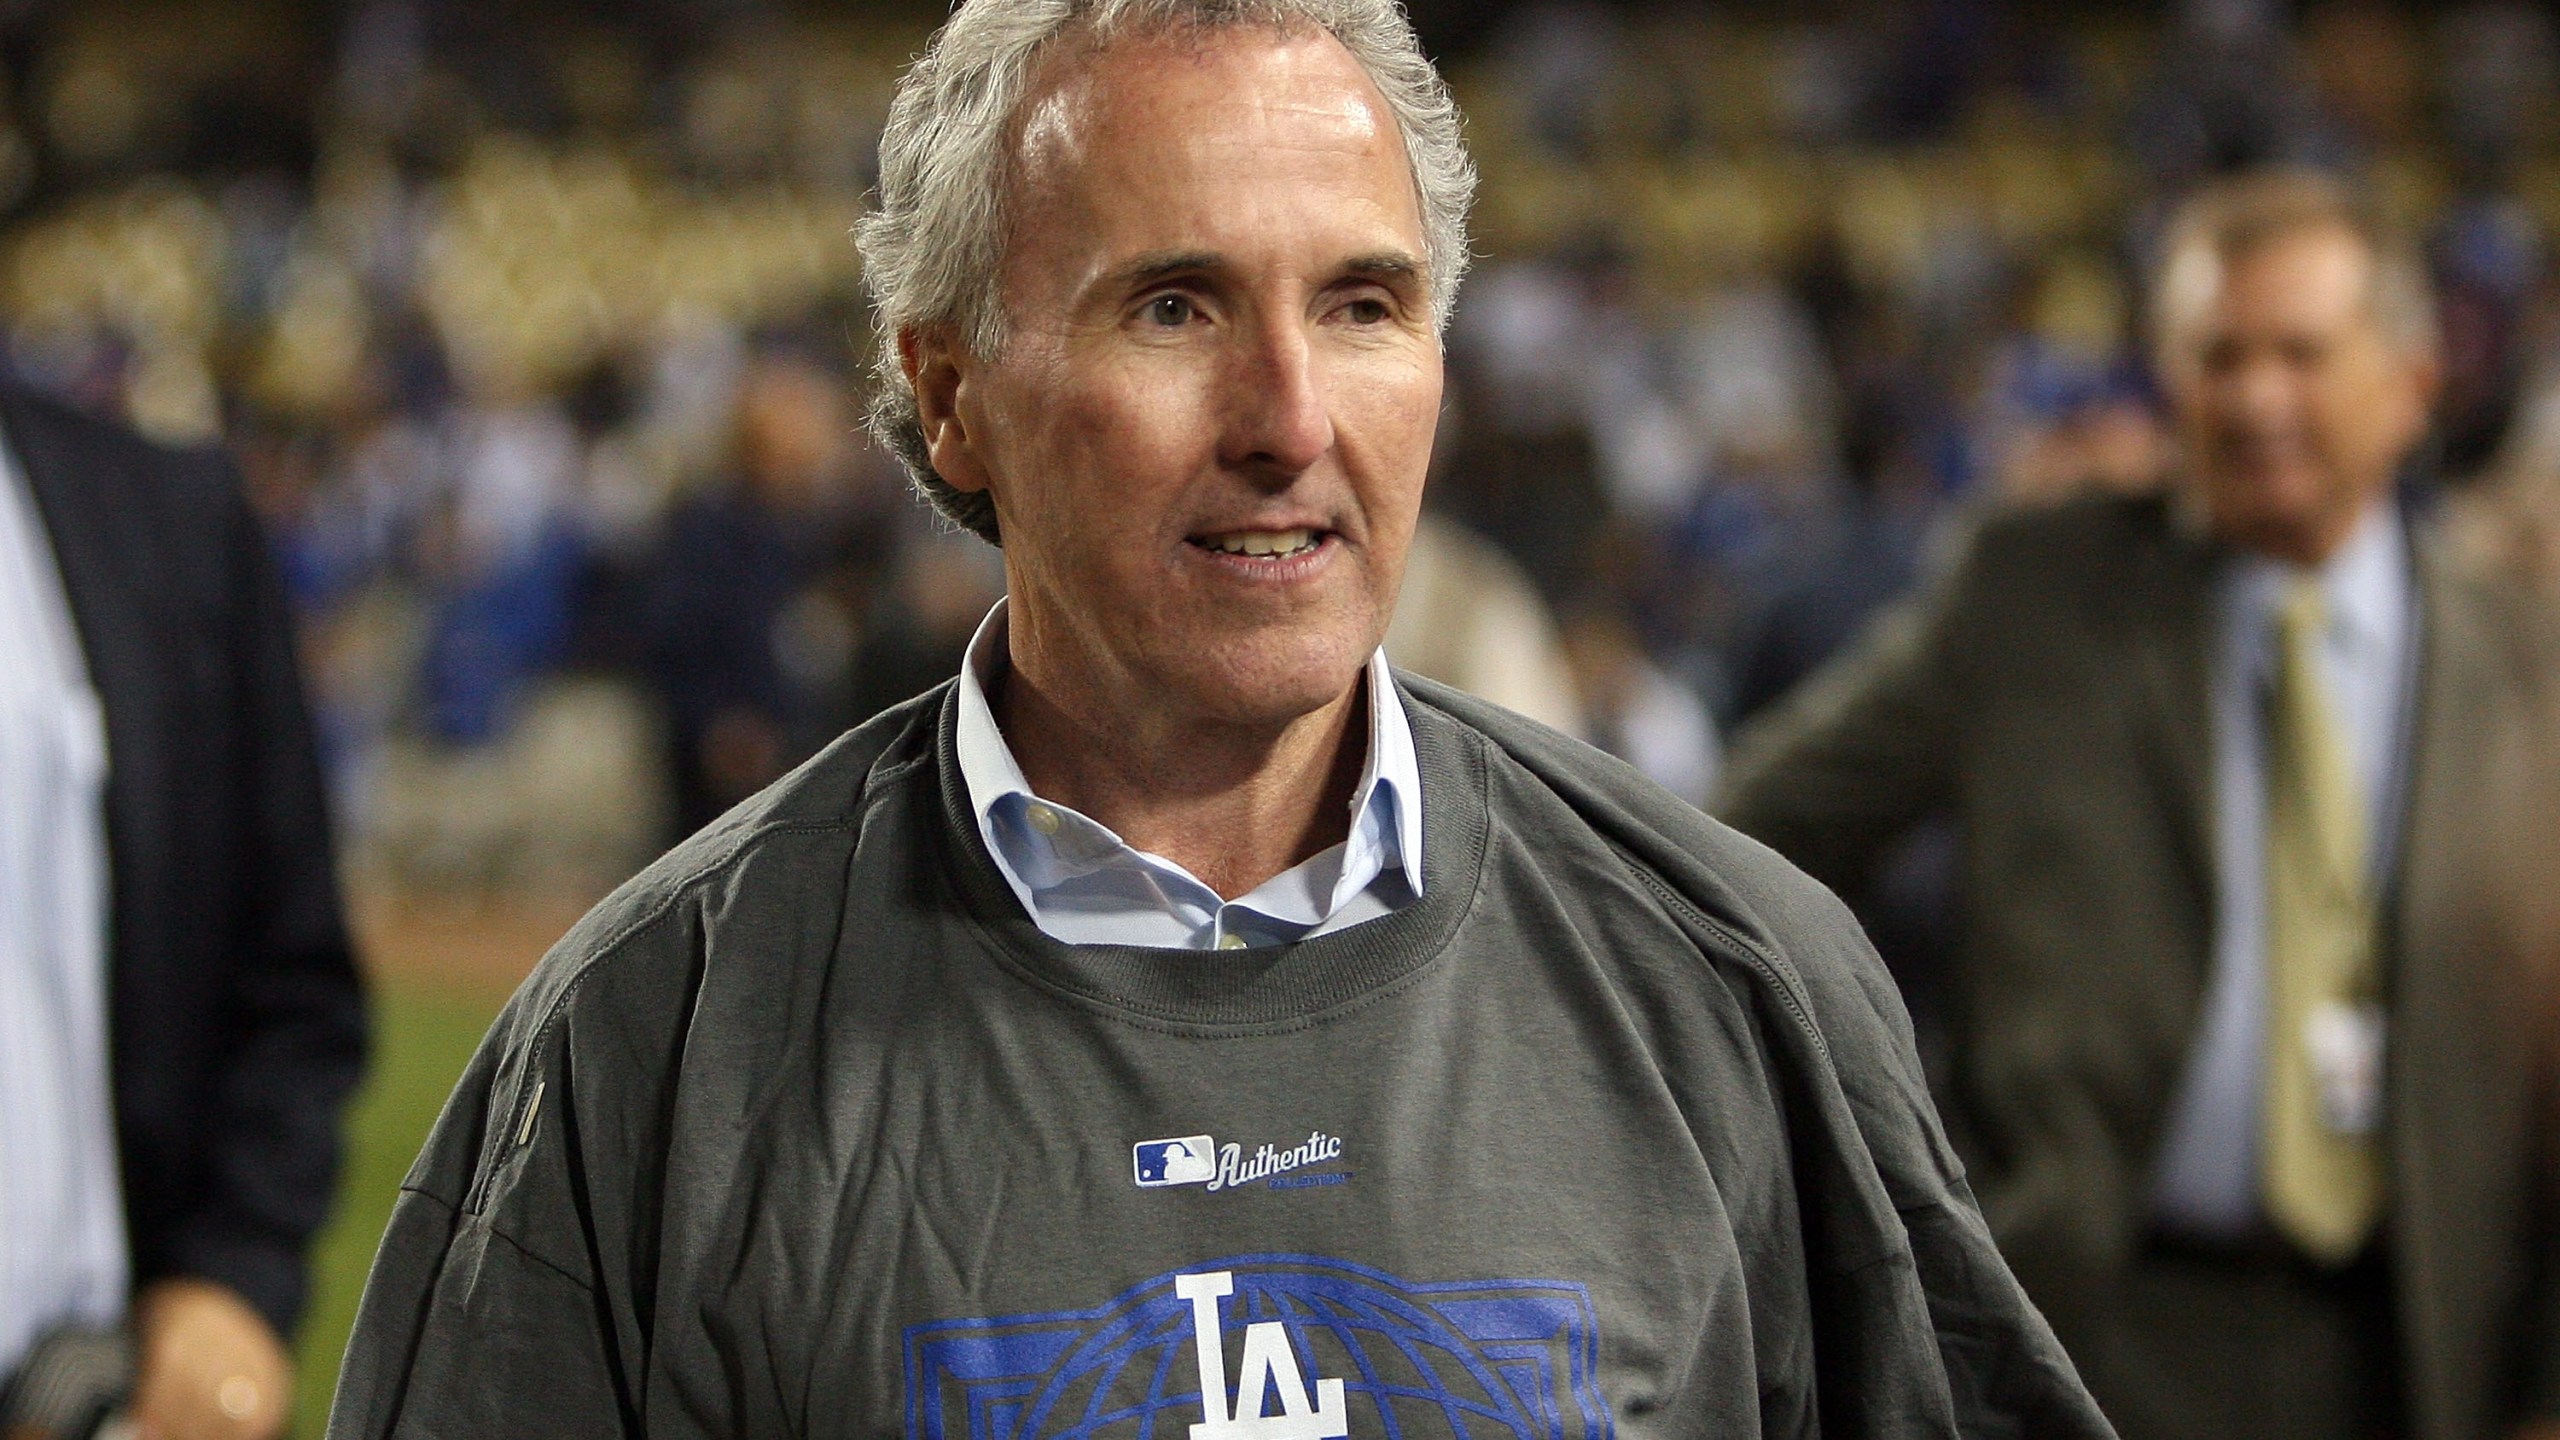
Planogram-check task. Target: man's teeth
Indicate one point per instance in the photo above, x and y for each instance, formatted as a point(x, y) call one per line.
point(1263, 542)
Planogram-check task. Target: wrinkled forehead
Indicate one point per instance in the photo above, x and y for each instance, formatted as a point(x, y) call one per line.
point(1104, 102)
point(1081, 54)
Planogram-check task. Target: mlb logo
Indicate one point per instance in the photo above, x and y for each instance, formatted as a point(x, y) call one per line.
point(1190, 1160)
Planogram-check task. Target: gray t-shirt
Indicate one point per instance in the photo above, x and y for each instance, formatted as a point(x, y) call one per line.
point(809, 1131)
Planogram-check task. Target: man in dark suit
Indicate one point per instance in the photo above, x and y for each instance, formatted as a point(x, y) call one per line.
point(2245, 1052)
point(162, 772)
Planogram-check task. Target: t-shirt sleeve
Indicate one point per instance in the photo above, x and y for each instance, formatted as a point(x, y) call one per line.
point(465, 1333)
point(2004, 1371)
point(483, 1315)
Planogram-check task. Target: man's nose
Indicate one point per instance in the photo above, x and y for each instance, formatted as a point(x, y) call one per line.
point(2262, 393)
point(1279, 421)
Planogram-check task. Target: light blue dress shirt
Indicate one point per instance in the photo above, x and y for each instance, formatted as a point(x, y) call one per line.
point(1082, 884)
point(62, 1241)
point(2207, 1182)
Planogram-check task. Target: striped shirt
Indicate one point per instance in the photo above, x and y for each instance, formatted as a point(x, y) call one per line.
point(62, 1242)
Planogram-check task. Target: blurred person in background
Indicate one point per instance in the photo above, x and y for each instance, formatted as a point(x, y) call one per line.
point(1637, 712)
point(2509, 522)
point(2245, 1057)
point(736, 591)
point(1469, 617)
point(916, 623)
point(180, 1019)
point(1865, 564)
point(502, 554)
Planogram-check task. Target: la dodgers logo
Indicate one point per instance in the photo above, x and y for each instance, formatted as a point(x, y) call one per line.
point(1328, 1347)
point(1269, 1363)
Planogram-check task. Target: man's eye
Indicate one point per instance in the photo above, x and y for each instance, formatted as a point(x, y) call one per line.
point(1370, 311)
point(1170, 310)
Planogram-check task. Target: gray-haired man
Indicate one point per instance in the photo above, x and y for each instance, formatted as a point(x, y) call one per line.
point(1512, 1097)
point(2252, 1037)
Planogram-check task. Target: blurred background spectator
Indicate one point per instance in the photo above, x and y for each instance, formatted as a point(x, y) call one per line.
point(2143, 741)
point(535, 326)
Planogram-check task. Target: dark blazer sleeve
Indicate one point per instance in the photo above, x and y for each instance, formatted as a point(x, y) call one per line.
point(1868, 746)
point(237, 1020)
point(292, 1028)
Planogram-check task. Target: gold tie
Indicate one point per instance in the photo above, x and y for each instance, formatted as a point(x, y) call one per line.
point(2323, 1180)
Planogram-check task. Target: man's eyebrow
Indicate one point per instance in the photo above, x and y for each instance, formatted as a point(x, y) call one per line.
point(1388, 265)
point(1384, 265)
point(1157, 265)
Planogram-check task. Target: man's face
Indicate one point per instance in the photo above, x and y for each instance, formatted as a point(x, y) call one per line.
point(1207, 430)
point(2294, 406)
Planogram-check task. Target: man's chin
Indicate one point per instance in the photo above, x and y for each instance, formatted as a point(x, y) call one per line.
point(1266, 686)
point(2274, 517)
point(2295, 539)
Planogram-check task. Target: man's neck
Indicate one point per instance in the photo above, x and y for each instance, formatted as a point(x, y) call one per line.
point(1232, 804)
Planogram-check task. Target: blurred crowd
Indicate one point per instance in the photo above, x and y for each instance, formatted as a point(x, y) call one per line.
point(537, 329)
point(535, 333)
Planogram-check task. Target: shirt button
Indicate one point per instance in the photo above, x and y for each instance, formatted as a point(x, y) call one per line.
point(1233, 941)
point(1044, 819)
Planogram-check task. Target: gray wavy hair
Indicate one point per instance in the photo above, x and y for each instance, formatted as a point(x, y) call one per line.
point(933, 248)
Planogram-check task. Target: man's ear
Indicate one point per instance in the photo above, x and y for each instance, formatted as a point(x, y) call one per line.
point(933, 366)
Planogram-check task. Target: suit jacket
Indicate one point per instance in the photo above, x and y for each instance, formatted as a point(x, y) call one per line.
point(2050, 690)
point(236, 1023)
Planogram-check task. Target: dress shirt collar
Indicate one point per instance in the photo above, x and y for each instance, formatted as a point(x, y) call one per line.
point(1044, 848)
point(2365, 585)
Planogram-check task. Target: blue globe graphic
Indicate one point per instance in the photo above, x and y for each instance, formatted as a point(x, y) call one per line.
point(1475, 1360)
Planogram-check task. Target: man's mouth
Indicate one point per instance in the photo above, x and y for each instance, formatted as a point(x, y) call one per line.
point(2260, 451)
point(1263, 544)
